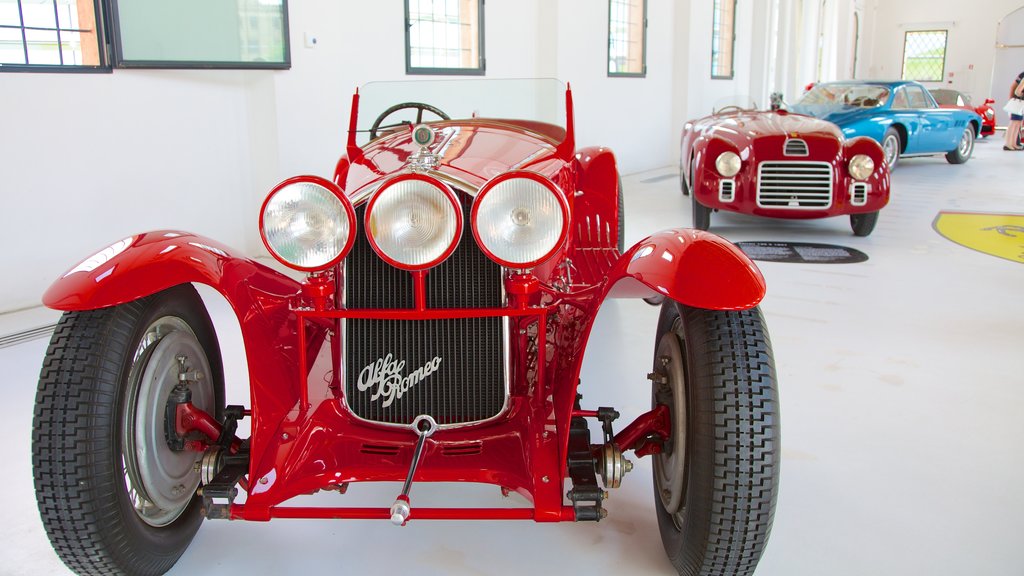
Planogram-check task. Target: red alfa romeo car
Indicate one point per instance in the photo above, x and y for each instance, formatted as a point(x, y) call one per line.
point(949, 98)
point(781, 165)
point(451, 272)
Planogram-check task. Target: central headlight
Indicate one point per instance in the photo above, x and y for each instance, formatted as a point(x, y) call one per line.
point(307, 223)
point(520, 219)
point(861, 166)
point(728, 164)
point(414, 222)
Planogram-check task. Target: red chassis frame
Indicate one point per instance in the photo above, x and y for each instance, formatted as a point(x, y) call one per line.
point(304, 439)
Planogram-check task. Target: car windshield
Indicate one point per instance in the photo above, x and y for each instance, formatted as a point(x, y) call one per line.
point(528, 101)
point(845, 96)
point(950, 98)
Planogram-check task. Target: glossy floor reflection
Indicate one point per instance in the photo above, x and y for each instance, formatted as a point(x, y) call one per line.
point(901, 382)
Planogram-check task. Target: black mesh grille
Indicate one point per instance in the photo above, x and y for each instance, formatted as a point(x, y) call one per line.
point(469, 382)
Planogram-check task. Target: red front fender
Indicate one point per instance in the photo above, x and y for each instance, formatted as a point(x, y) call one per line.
point(695, 268)
point(262, 298)
point(145, 264)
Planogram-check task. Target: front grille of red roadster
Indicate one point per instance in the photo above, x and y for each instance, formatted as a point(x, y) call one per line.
point(452, 369)
point(794, 185)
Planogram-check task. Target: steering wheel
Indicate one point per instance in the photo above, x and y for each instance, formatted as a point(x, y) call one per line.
point(730, 108)
point(420, 107)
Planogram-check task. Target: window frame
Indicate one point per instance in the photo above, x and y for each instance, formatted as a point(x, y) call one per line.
point(118, 60)
point(945, 50)
point(643, 46)
point(104, 67)
point(716, 34)
point(479, 70)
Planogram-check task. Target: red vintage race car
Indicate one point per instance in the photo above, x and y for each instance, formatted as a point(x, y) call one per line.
point(949, 98)
point(450, 275)
point(781, 165)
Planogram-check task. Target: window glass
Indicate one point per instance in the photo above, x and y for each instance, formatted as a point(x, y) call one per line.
point(924, 55)
point(49, 35)
point(202, 34)
point(917, 97)
point(444, 37)
point(627, 37)
point(900, 101)
point(723, 38)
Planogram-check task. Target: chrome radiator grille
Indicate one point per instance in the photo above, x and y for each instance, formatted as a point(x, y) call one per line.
point(794, 185)
point(452, 369)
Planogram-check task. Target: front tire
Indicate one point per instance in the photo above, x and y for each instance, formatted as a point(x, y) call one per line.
point(863, 224)
point(962, 152)
point(682, 180)
point(113, 496)
point(891, 147)
point(701, 214)
point(716, 480)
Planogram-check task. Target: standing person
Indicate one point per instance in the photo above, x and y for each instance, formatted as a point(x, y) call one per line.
point(1016, 109)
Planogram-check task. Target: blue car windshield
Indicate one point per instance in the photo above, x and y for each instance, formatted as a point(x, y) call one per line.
point(845, 96)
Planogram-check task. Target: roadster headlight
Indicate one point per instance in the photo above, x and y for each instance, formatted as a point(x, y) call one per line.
point(414, 222)
point(861, 166)
point(307, 223)
point(989, 113)
point(728, 164)
point(520, 219)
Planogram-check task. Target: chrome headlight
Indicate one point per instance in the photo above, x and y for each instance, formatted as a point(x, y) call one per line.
point(861, 167)
point(728, 164)
point(307, 223)
point(989, 113)
point(520, 219)
point(414, 222)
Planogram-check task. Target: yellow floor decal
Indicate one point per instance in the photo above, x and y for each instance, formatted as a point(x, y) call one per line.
point(1000, 235)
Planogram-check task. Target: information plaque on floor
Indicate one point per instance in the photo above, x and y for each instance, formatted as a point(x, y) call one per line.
point(801, 253)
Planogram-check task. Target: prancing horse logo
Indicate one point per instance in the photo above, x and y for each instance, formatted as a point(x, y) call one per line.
point(386, 375)
point(996, 234)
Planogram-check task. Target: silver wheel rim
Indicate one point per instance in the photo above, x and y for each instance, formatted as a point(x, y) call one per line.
point(160, 482)
point(670, 464)
point(891, 147)
point(966, 143)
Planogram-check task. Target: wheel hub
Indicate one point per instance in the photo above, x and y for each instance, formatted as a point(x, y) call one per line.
point(670, 464)
point(161, 481)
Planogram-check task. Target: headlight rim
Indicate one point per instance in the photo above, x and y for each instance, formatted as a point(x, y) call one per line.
point(739, 164)
point(853, 171)
point(346, 204)
point(555, 190)
point(448, 193)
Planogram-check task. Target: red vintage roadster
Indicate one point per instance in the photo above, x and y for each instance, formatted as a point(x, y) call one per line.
point(450, 275)
point(781, 165)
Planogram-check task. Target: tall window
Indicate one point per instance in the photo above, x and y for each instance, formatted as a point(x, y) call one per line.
point(72, 35)
point(723, 38)
point(627, 37)
point(444, 37)
point(924, 55)
point(50, 34)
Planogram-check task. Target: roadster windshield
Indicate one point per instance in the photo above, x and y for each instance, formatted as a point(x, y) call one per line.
point(845, 96)
point(527, 100)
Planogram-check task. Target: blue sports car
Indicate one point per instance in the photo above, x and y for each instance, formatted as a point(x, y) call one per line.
point(902, 116)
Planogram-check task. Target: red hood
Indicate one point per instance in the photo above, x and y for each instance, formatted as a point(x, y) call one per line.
point(471, 151)
point(741, 128)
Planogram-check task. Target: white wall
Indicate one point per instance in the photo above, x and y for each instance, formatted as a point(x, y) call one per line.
point(87, 159)
point(970, 50)
point(633, 116)
point(704, 93)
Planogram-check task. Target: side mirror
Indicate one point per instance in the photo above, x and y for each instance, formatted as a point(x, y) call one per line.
point(989, 101)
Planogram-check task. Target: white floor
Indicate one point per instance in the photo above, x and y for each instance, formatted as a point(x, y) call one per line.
point(902, 384)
